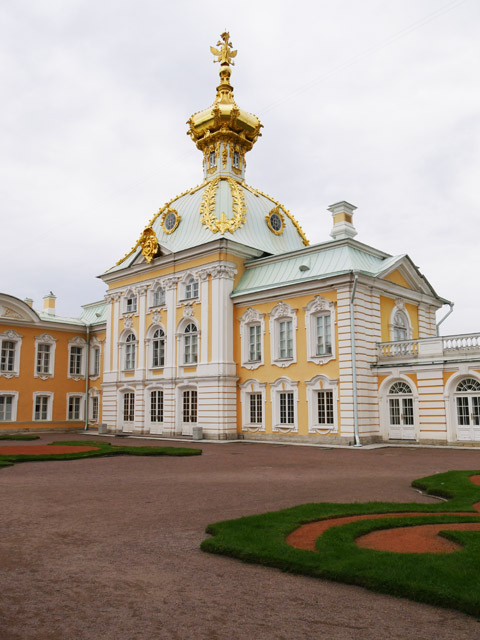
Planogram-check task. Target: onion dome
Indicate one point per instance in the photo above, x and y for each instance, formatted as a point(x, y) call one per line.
point(223, 131)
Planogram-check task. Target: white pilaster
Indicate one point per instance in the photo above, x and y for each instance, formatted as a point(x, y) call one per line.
point(116, 318)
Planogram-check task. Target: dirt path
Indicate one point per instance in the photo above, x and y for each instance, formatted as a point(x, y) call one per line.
point(109, 548)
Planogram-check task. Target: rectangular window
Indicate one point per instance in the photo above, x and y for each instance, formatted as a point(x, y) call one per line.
point(96, 362)
point(254, 343)
point(156, 406)
point(74, 403)
point(476, 410)
point(324, 335)
point(394, 404)
point(130, 356)
point(7, 357)
point(286, 339)
point(407, 406)
point(287, 412)
point(190, 355)
point(41, 407)
point(191, 290)
point(190, 406)
point(462, 412)
point(158, 352)
point(128, 407)
point(325, 407)
point(256, 408)
point(94, 408)
point(6, 403)
point(43, 358)
point(131, 305)
point(75, 366)
point(159, 297)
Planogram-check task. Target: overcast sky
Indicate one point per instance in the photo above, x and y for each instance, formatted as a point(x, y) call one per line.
point(374, 102)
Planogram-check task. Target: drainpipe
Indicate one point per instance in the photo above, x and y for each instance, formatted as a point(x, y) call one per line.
point(354, 363)
point(450, 304)
point(87, 372)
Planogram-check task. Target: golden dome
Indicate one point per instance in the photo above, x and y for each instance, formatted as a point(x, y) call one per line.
point(223, 120)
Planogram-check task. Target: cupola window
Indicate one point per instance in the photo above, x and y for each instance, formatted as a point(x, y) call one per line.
point(236, 160)
point(211, 159)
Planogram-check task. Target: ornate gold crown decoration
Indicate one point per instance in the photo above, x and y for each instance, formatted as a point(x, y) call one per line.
point(225, 53)
point(149, 243)
point(207, 208)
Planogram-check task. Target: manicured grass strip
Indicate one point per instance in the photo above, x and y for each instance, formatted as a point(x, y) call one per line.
point(443, 579)
point(18, 437)
point(103, 449)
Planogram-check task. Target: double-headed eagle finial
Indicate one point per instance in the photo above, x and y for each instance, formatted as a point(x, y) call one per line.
point(225, 54)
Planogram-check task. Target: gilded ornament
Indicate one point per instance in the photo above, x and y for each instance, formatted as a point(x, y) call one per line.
point(149, 243)
point(170, 220)
point(207, 208)
point(276, 220)
point(224, 156)
point(225, 54)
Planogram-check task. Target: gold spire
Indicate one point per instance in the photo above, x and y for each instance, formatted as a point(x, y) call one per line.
point(225, 53)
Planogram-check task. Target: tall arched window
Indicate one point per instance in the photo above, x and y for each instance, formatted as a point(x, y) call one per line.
point(158, 348)
point(190, 344)
point(401, 411)
point(400, 326)
point(130, 351)
point(468, 402)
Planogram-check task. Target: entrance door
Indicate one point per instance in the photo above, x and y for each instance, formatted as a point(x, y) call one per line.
point(189, 411)
point(467, 407)
point(128, 411)
point(400, 412)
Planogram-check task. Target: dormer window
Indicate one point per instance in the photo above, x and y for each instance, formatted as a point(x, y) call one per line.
point(191, 288)
point(236, 160)
point(131, 303)
point(211, 159)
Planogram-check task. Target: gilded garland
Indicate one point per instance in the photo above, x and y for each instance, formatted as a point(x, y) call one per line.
point(223, 224)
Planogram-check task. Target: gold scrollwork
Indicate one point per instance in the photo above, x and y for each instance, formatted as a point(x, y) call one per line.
point(278, 211)
point(149, 243)
point(167, 212)
point(207, 208)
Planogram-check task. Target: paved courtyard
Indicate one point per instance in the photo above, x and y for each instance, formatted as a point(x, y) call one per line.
point(109, 548)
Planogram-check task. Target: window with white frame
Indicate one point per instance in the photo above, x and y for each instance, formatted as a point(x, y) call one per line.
point(211, 159)
point(319, 325)
point(156, 405)
point(236, 160)
point(8, 406)
point(467, 394)
point(191, 288)
point(95, 369)
point(284, 396)
point(42, 406)
point(322, 401)
point(44, 355)
point(190, 344)
point(75, 358)
point(130, 302)
point(400, 325)
point(10, 343)
point(158, 296)
point(130, 351)
point(158, 348)
point(190, 400)
point(128, 406)
point(283, 327)
point(94, 403)
point(252, 398)
point(252, 331)
point(74, 407)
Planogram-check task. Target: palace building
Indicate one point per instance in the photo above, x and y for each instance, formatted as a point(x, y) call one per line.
point(223, 322)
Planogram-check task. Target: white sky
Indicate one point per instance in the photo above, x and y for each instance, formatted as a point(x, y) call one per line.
point(374, 102)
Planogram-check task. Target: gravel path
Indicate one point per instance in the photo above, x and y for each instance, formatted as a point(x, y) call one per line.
point(109, 548)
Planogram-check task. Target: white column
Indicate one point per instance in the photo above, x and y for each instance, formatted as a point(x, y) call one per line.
point(141, 292)
point(170, 351)
point(203, 275)
point(116, 317)
point(222, 321)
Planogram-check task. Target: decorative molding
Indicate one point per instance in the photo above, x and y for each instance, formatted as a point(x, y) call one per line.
point(156, 317)
point(10, 334)
point(207, 208)
point(188, 311)
point(319, 306)
point(171, 283)
point(128, 322)
point(7, 312)
point(223, 271)
point(149, 243)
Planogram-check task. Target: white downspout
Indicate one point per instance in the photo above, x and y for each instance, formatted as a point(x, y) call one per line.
point(87, 372)
point(444, 317)
point(354, 364)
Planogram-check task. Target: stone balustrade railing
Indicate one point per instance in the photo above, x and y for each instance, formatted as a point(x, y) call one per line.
point(447, 347)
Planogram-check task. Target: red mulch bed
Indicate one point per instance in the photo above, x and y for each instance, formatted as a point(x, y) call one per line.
point(412, 539)
point(41, 449)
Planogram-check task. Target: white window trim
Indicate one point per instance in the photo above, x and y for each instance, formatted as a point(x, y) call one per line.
point(82, 406)
point(280, 385)
point(183, 289)
point(321, 383)
point(120, 393)
point(93, 393)
point(148, 416)
point(76, 342)
point(383, 397)
point(180, 335)
point(95, 343)
point(50, 395)
point(282, 311)
point(14, 396)
point(181, 388)
point(156, 284)
point(319, 307)
point(450, 396)
point(149, 343)
point(400, 306)
point(45, 338)
point(247, 388)
point(12, 336)
point(122, 345)
point(130, 293)
point(249, 318)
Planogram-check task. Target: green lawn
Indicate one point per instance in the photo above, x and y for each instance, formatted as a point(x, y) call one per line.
point(18, 437)
point(103, 449)
point(445, 579)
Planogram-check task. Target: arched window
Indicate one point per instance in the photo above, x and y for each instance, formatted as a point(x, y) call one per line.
point(400, 326)
point(191, 288)
point(190, 344)
point(158, 297)
point(130, 351)
point(158, 348)
point(400, 409)
point(468, 402)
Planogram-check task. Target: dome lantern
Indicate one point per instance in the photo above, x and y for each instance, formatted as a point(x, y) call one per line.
point(223, 131)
